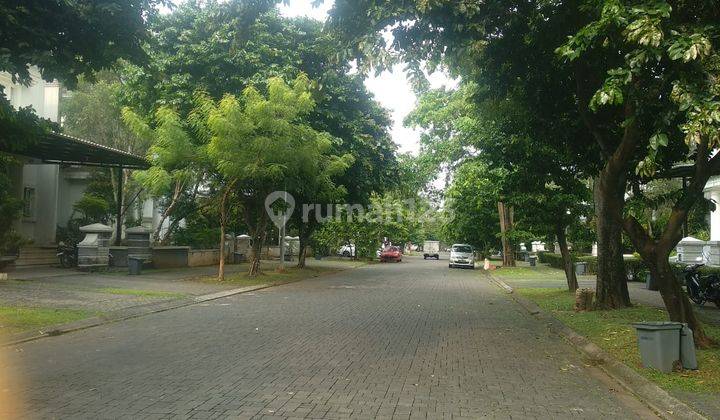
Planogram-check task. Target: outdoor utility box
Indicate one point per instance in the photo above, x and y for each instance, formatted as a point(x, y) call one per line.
point(687, 348)
point(138, 242)
point(242, 248)
point(580, 268)
point(94, 250)
point(659, 344)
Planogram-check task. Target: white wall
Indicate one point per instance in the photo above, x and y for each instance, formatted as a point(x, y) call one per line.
point(43, 97)
point(712, 192)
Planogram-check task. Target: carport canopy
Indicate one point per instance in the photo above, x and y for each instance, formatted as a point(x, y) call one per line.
point(63, 149)
point(68, 150)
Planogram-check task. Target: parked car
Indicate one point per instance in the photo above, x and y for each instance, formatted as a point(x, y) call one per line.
point(390, 254)
point(431, 249)
point(461, 255)
point(347, 250)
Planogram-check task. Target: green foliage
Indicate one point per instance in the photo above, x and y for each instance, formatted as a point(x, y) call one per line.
point(92, 209)
point(94, 112)
point(472, 207)
point(66, 39)
point(224, 47)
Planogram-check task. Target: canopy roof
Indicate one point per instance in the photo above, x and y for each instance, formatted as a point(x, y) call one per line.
point(63, 149)
point(685, 170)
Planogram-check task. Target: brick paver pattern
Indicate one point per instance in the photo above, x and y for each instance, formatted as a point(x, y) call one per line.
point(406, 340)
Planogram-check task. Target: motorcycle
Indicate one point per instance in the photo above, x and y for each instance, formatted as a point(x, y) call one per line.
point(67, 255)
point(701, 289)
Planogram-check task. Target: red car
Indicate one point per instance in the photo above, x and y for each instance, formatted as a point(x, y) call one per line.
point(391, 253)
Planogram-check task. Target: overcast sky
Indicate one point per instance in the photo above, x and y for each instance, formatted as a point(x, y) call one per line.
point(391, 89)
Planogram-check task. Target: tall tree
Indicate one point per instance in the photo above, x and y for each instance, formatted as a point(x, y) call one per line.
point(266, 144)
point(222, 47)
point(177, 156)
point(94, 112)
point(646, 76)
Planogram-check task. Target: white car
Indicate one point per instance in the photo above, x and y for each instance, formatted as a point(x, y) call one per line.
point(461, 255)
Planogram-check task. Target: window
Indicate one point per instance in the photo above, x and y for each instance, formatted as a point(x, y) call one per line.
point(462, 248)
point(29, 202)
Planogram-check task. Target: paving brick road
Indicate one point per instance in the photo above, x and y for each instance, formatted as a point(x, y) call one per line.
point(406, 340)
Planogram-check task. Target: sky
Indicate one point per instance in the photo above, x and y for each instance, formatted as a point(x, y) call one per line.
point(391, 88)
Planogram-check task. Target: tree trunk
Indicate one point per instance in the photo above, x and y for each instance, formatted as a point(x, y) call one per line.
point(302, 248)
point(223, 223)
point(611, 289)
point(567, 259)
point(506, 217)
point(258, 242)
point(676, 301)
point(221, 264)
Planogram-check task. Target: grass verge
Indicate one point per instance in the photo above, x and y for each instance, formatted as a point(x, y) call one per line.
point(540, 272)
point(270, 276)
point(138, 292)
point(613, 332)
point(16, 319)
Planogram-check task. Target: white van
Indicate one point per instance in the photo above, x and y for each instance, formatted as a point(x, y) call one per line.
point(461, 255)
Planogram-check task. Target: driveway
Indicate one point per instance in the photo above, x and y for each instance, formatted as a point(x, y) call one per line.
point(403, 340)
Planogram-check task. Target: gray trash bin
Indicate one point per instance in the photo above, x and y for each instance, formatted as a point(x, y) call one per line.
point(659, 344)
point(533, 261)
point(135, 266)
point(580, 268)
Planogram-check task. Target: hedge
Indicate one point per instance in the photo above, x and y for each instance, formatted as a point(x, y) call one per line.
point(634, 267)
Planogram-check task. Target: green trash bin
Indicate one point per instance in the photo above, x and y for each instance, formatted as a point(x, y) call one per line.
point(659, 344)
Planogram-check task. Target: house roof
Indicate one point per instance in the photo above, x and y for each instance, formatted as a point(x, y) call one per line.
point(685, 170)
point(64, 149)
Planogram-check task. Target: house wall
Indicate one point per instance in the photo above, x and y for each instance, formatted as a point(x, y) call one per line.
point(39, 223)
point(73, 183)
point(712, 192)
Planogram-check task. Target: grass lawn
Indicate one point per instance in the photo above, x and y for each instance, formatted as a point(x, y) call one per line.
point(270, 276)
point(613, 332)
point(16, 319)
point(542, 272)
point(137, 292)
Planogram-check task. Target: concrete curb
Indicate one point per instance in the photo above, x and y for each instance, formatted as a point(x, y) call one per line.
point(663, 404)
point(127, 313)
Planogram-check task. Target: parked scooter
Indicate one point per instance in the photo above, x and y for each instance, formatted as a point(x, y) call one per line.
point(700, 288)
point(67, 254)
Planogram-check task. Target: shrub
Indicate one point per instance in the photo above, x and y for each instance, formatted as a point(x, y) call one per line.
point(634, 267)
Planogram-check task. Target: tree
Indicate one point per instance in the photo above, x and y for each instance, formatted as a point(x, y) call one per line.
point(656, 104)
point(224, 47)
point(265, 143)
point(645, 77)
point(94, 112)
point(472, 205)
point(177, 158)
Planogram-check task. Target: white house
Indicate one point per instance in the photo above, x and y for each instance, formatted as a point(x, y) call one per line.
point(53, 175)
point(712, 192)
